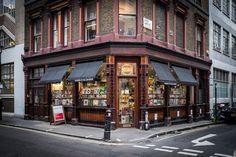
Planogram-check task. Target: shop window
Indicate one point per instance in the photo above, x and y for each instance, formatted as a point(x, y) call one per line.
point(161, 21)
point(66, 27)
point(90, 20)
point(221, 78)
point(127, 17)
point(216, 36)
point(5, 40)
point(199, 41)
point(156, 90)
point(217, 3)
point(180, 30)
point(225, 42)
point(233, 11)
point(37, 34)
point(233, 50)
point(178, 95)
point(39, 95)
point(62, 93)
point(7, 76)
point(55, 30)
point(226, 7)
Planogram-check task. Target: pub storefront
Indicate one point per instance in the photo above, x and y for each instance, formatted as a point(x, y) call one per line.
point(128, 86)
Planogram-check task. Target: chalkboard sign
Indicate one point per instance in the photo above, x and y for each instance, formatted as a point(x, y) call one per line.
point(58, 114)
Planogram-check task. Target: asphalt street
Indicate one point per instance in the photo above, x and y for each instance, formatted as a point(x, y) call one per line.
point(214, 141)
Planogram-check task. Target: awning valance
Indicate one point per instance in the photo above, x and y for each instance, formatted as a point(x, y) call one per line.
point(185, 76)
point(54, 74)
point(85, 71)
point(163, 73)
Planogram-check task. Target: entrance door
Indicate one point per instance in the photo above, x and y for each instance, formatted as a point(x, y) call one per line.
point(126, 101)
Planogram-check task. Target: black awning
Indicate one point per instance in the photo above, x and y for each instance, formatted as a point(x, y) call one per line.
point(163, 73)
point(185, 76)
point(85, 71)
point(54, 74)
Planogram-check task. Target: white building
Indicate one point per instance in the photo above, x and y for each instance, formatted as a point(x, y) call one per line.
point(12, 42)
point(222, 48)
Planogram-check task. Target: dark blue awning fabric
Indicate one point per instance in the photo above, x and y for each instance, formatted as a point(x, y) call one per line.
point(163, 73)
point(85, 71)
point(54, 74)
point(185, 76)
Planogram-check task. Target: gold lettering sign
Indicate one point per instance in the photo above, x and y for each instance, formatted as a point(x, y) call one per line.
point(126, 69)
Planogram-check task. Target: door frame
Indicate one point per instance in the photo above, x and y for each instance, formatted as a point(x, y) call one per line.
point(136, 106)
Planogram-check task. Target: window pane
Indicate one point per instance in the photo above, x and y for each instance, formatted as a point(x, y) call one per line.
point(127, 25)
point(179, 30)
point(7, 75)
point(55, 30)
point(127, 6)
point(160, 22)
point(90, 30)
point(90, 11)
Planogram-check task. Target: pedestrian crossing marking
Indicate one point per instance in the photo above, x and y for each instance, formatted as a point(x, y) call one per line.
point(143, 147)
point(168, 147)
point(163, 150)
point(223, 155)
point(189, 154)
point(193, 151)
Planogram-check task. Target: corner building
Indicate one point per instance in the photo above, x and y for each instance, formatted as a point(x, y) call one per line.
point(130, 56)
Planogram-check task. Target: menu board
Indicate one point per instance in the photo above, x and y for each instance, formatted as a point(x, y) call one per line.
point(58, 113)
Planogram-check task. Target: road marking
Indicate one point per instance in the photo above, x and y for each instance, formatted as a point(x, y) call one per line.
point(150, 145)
point(223, 155)
point(194, 151)
point(189, 154)
point(175, 148)
point(212, 156)
point(163, 150)
point(143, 147)
point(203, 143)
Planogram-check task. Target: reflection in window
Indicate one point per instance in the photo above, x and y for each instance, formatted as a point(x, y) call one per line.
point(90, 20)
point(216, 36)
point(66, 26)
point(233, 47)
point(222, 79)
point(37, 34)
point(7, 6)
point(233, 11)
point(225, 42)
point(178, 95)
point(180, 30)
point(7, 74)
point(55, 30)
point(127, 17)
point(199, 40)
point(5, 40)
point(160, 22)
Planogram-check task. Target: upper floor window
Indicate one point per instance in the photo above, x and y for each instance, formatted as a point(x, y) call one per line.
point(199, 40)
point(226, 7)
point(55, 30)
point(225, 42)
point(160, 21)
point(127, 17)
point(217, 3)
point(7, 6)
point(233, 47)
point(180, 30)
point(234, 84)
point(7, 75)
point(66, 27)
point(90, 20)
point(37, 34)
point(5, 40)
point(216, 36)
point(37, 72)
point(233, 11)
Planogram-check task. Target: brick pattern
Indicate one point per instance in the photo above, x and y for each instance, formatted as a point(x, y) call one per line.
point(106, 16)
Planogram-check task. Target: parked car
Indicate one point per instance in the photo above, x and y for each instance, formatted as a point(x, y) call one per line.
point(230, 115)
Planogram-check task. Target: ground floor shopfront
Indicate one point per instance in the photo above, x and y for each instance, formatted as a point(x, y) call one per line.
point(131, 81)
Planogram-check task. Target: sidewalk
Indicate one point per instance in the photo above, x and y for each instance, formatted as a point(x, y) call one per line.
point(120, 135)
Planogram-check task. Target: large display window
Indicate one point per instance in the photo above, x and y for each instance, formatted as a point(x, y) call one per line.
point(93, 93)
point(178, 95)
point(62, 93)
point(156, 92)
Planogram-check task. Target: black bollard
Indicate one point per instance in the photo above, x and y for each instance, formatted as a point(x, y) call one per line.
point(0, 109)
point(107, 127)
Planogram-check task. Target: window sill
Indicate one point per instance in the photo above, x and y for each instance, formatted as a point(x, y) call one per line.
point(218, 7)
point(226, 14)
point(217, 50)
point(227, 55)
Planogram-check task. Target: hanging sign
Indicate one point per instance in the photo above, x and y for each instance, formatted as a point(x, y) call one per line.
point(147, 23)
point(58, 113)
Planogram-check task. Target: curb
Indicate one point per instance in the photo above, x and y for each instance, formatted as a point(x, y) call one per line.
point(114, 141)
point(52, 132)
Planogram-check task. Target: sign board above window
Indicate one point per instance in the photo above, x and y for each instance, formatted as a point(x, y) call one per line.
point(147, 23)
